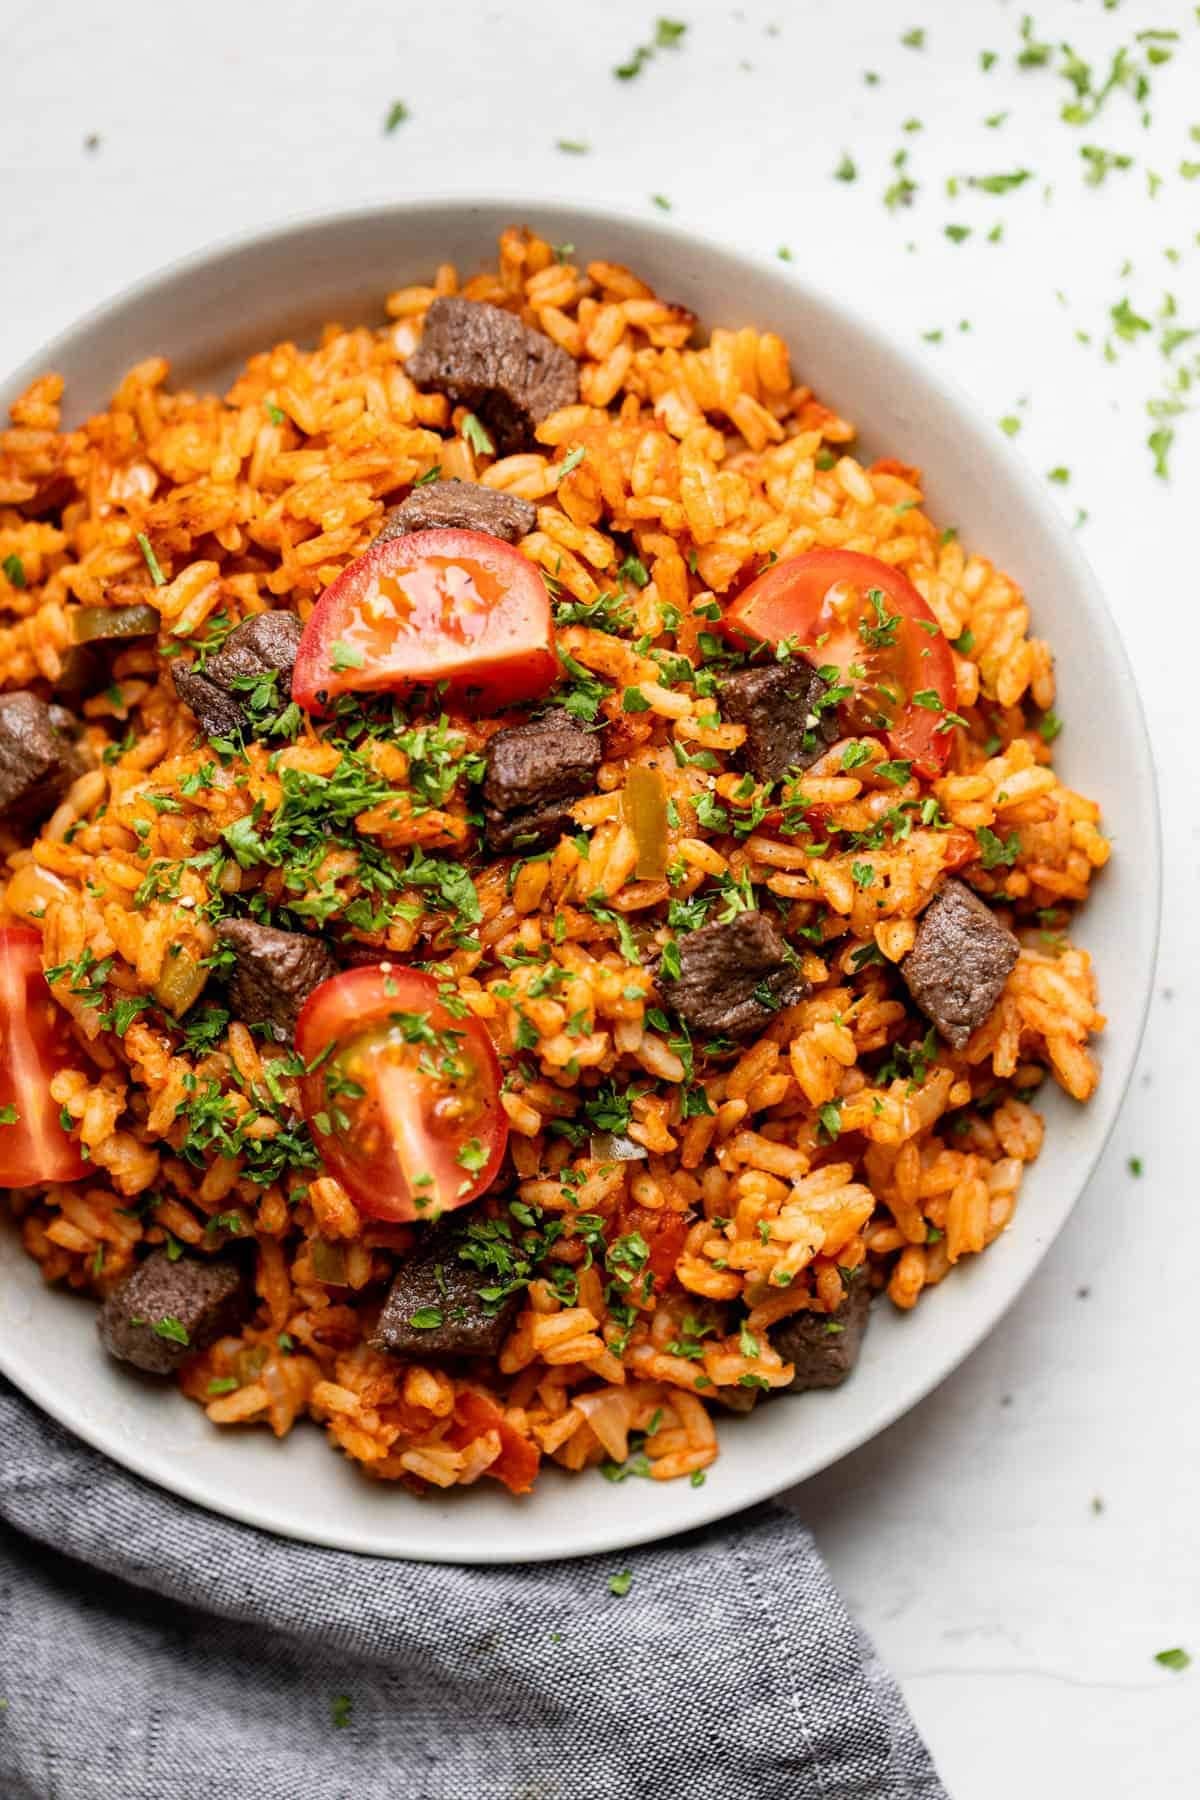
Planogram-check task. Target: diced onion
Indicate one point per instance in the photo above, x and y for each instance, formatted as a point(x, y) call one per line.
point(608, 1416)
point(328, 1261)
point(613, 1146)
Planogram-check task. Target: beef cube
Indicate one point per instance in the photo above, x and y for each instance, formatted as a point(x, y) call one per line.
point(775, 703)
point(164, 1311)
point(460, 506)
point(435, 1284)
point(274, 974)
point(39, 758)
point(960, 961)
point(734, 977)
point(218, 713)
point(485, 358)
point(534, 773)
point(257, 647)
point(267, 641)
point(824, 1346)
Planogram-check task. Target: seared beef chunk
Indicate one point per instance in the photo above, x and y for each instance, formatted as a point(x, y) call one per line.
point(216, 693)
point(219, 714)
point(462, 506)
point(824, 1346)
point(775, 703)
point(274, 974)
point(958, 965)
point(164, 1310)
point(434, 1284)
point(733, 978)
point(39, 758)
point(534, 772)
point(484, 358)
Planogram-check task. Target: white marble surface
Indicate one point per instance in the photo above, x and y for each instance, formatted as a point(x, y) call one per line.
point(1023, 1543)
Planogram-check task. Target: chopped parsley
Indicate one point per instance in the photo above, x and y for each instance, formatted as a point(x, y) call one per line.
point(571, 461)
point(477, 437)
point(397, 113)
point(14, 570)
point(151, 561)
point(829, 1121)
point(620, 1584)
point(171, 1328)
point(1176, 1659)
point(995, 852)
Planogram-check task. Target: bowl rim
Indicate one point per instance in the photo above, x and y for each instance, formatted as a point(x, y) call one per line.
point(753, 1486)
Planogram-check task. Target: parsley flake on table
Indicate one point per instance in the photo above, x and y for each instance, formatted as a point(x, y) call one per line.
point(668, 35)
point(1159, 443)
point(1010, 425)
point(340, 1709)
point(1099, 163)
point(572, 146)
point(397, 113)
point(846, 169)
point(914, 39)
point(958, 234)
point(1176, 1659)
point(1000, 184)
point(621, 1583)
point(1135, 1165)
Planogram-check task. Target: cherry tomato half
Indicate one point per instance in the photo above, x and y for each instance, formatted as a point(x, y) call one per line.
point(35, 1043)
point(452, 606)
point(404, 1097)
point(867, 620)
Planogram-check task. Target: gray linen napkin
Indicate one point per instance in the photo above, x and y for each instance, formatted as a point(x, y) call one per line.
point(149, 1649)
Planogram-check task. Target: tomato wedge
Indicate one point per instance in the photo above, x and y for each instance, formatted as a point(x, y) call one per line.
point(403, 1097)
point(517, 1464)
point(452, 606)
point(664, 1233)
point(853, 613)
point(35, 1043)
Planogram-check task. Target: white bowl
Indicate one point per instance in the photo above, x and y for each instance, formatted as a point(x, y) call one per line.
point(209, 313)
